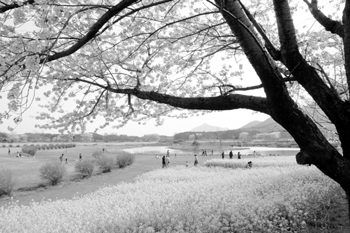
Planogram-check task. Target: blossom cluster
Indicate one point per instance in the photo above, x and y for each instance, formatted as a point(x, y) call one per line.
point(183, 199)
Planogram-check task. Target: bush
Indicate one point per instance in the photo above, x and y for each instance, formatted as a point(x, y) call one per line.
point(97, 154)
point(124, 159)
point(85, 167)
point(10, 145)
point(29, 150)
point(53, 172)
point(105, 163)
point(6, 182)
point(4, 146)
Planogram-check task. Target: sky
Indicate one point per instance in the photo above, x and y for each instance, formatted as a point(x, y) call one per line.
point(232, 119)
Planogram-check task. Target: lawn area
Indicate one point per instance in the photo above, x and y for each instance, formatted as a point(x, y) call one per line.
point(30, 187)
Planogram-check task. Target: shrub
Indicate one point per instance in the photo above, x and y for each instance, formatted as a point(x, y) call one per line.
point(85, 167)
point(53, 172)
point(29, 150)
point(97, 154)
point(6, 182)
point(124, 159)
point(4, 146)
point(18, 145)
point(105, 163)
point(10, 145)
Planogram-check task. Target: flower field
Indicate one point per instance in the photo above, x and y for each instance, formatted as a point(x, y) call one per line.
point(280, 161)
point(181, 199)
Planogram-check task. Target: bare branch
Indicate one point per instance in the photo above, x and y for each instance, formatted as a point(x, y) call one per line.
point(330, 25)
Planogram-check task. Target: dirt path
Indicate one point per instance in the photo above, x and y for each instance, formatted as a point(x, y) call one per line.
point(70, 189)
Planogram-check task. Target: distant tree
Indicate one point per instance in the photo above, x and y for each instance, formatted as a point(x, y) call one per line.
point(135, 60)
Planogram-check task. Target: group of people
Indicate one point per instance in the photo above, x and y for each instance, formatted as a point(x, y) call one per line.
point(230, 154)
point(66, 159)
point(166, 160)
point(250, 163)
point(61, 159)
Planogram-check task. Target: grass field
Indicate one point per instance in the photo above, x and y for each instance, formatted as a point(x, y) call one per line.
point(30, 187)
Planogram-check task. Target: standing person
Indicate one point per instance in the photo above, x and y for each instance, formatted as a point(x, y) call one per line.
point(223, 155)
point(186, 163)
point(212, 152)
point(239, 155)
point(66, 160)
point(231, 154)
point(80, 157)
point(163, 162)
point(9, 151)
point(195, 160)
point(167, 153)
point(103, 150)
point(61, 158)
point(167, 161)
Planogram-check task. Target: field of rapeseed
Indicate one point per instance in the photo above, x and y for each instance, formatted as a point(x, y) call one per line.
point(182, 199)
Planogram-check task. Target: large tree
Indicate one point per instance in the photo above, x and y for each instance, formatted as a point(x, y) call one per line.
point(141, 59)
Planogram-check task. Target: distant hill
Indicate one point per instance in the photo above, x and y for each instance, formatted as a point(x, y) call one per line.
point(250, 124)
point(269, 125)
point(208, 128)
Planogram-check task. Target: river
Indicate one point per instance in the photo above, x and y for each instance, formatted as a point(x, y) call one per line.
point(249, 150)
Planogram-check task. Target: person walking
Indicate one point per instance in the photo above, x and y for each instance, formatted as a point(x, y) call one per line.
point(223, 155)
point(195, 160)
point(163, 162)
point(239, 155)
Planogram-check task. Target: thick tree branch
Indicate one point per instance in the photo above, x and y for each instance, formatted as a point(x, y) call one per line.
point(330, 25)
point(286, 30)
point(8, 7)
point(227, 102)
point(346, 40)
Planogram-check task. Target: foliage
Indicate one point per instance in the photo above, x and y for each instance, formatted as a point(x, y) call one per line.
point(124, 159)
point(53, 172)
point(85, 167)
point(97, 154)
point(7, 181)
point(105, 163)
point(29, 150)
point(269, 199)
